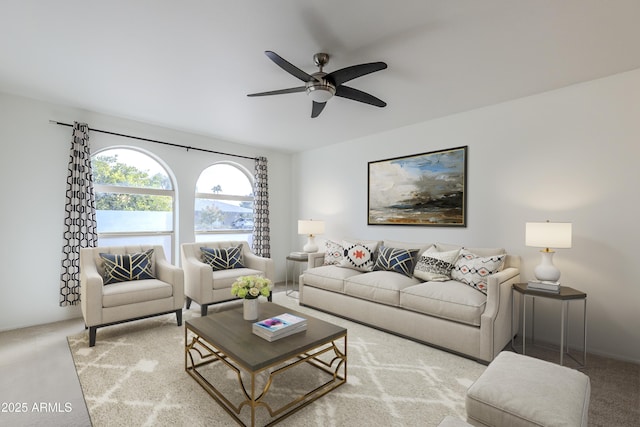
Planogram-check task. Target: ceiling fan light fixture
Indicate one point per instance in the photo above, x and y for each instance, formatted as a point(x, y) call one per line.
point(321, 92)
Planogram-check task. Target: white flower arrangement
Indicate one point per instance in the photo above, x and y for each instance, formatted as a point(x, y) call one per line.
point(251, 287)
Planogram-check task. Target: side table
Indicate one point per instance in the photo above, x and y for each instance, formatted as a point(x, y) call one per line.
point(296, 260)
point(565, 295)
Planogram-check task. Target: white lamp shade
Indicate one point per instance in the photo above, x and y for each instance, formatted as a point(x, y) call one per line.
point(310, 227)
point(548, 234)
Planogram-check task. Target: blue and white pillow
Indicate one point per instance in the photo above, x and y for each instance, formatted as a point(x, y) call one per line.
point(223, 258)
point(397, 260)
point(127, 267)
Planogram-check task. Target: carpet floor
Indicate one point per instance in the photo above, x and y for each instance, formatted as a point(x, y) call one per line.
point(135, 376)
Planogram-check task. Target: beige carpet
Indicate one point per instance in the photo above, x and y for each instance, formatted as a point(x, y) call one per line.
point(135, 376)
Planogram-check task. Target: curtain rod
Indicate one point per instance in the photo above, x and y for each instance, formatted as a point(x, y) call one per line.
point(156, 141)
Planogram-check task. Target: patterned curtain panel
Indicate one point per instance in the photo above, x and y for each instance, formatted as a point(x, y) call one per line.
point(261, 245)
point(80, 215)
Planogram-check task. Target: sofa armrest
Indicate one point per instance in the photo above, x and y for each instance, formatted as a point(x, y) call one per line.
point(266, 265)
point(315, 259)
point(91, 283)
point(498, 287)
point(174, 276)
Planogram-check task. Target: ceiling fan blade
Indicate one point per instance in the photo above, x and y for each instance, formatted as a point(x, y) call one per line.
point(358, 95)
point(288, 67)
point(280, 91)
point(343, 75)
point(317, 109)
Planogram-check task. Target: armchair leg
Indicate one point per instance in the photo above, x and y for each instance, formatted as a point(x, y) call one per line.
point(203, 310)
point(179, 316)
point(270, 297)
point(92, 335)
point(188, 302)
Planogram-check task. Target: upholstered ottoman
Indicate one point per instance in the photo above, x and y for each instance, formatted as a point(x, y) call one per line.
point(517, 390)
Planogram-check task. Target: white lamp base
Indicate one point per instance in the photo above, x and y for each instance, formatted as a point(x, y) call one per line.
point(311, 246)
point(546, 270)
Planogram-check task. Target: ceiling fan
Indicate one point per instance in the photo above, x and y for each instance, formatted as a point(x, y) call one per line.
point(321, 86)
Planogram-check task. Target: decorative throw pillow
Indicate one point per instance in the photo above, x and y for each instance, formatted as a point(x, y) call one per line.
point(398, 260)
point(333, 253)
point(435, 266)
point(473, 270)
point(223, 259)
point(358, 256)
point(128, 267)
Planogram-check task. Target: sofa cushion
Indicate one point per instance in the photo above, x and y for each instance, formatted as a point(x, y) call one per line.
point(329, 277)
point(358, 255)
point(473, 270)
point(394, 259)
point(224, 278)
point(436, 266)
point(333, 253)
point(449, 300)
point(379, 286)
point(125, 293)
point(127, 267)
point(223, 258)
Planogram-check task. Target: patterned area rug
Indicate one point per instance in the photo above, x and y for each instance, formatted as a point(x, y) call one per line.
point(135, 376)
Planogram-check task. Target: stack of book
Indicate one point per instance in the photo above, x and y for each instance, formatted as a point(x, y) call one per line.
point(544, 285)
point(281, 326)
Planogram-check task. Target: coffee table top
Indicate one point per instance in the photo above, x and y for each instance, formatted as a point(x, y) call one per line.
point(233, 336)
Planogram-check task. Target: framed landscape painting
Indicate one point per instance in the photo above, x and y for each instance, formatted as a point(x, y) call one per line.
point(422, 189)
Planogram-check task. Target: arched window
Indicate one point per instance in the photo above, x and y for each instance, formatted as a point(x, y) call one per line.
point(134, 199)
point(224, 204)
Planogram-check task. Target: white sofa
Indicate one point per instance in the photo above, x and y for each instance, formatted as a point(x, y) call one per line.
point(447, 314)
point(205, 286)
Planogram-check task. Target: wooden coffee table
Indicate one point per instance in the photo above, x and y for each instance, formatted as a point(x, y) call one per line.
point(257, 363)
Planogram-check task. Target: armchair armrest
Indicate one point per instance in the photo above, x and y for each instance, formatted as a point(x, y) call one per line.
point(91, 284)
point(198, 276)
point(263, 264)
point(173, 275)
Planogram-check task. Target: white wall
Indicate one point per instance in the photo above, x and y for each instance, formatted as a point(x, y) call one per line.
point(33, 167)
point(567, 155)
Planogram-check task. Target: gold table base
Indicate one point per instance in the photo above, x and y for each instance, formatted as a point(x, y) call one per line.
point(199, 352)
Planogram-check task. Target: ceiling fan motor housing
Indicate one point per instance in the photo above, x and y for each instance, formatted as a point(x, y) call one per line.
point(320, 89)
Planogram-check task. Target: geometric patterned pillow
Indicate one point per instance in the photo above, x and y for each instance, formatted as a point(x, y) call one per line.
point(358, 256)
point(473, 269)
point(223, 259)
point(398, 260)
point(434, 266)
point(333, 253)
point(126, 268)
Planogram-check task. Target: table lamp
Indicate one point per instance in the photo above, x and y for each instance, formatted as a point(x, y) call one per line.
point(548, 235)
point(310, 228)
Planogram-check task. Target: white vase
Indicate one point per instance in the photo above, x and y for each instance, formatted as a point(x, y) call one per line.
point(250, 309)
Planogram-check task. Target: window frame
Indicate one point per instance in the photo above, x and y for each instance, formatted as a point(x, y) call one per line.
point(222, 196)
point(117, 189)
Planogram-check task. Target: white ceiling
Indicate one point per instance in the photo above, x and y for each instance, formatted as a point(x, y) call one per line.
point(189, 64)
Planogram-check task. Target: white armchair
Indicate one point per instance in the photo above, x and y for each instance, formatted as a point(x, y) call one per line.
point(206, 286)
point(108, 304)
